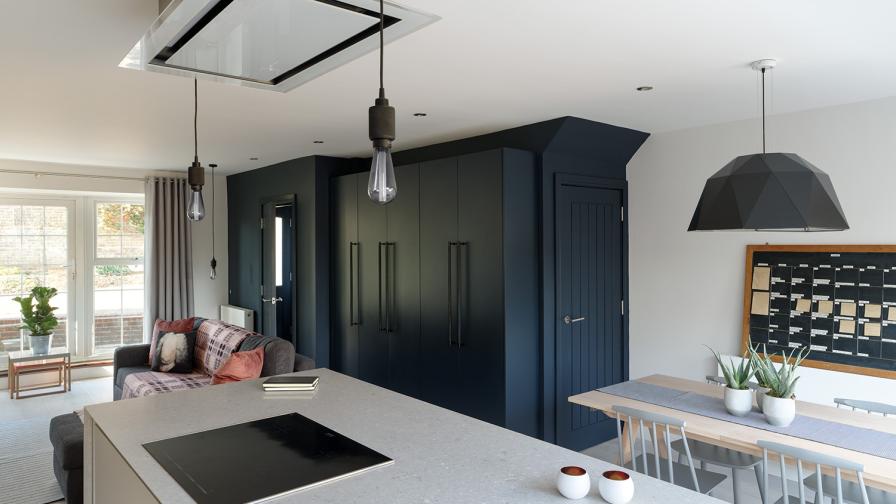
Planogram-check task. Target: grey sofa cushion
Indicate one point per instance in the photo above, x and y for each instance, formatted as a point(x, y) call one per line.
point(279, 354)
point(67, 438)
point(303, 363)
point(122, 373)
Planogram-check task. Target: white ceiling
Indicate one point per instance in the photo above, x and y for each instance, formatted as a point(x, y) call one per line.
point(487, 65)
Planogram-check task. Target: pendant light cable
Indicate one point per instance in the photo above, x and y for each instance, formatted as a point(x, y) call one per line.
point(195, 118)
point(382, 27)
point(763, 111)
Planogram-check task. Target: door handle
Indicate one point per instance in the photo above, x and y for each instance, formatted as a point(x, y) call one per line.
point(451, 287)
point(380, 315)
point(353, 284)
point(273, 300)
point(569, 320)
point(390, 286)
point(462, 253)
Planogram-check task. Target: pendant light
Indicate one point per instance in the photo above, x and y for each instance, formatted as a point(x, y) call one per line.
point(769, 191)
point(381, 187)
point(214, 262)
point(196, 173)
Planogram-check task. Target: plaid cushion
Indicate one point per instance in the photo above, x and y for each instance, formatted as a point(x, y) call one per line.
point(215, 341)
point(151, 383)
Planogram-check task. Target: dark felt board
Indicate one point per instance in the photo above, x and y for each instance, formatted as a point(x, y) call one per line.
point(835, 299)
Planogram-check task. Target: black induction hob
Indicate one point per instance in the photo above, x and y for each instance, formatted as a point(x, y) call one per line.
point(261, 459)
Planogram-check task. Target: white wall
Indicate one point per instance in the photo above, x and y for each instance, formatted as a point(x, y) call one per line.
point(686, 289)
point(208, 294)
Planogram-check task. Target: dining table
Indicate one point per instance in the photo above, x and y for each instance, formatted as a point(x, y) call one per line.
point(879, 471)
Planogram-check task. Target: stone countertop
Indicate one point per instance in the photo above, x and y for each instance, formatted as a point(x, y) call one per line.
point(440, 456)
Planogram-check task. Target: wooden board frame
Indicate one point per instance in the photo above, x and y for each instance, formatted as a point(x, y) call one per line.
point(748, 297)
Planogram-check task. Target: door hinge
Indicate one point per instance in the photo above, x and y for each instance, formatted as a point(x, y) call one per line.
point(622, 307)
point(621, 214)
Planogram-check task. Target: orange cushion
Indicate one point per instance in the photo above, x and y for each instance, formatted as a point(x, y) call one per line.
point(240, 366)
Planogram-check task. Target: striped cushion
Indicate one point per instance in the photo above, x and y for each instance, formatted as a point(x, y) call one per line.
point(215, 341)
point(152, 382)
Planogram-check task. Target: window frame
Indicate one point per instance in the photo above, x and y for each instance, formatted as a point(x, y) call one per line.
point(72, 260)
point(92, 261)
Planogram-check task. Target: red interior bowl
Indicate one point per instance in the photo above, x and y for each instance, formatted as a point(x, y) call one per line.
point(616, 475)
point(573, 471)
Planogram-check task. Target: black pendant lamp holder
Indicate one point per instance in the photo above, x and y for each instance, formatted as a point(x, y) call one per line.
point(768, 192)
point(382, 122)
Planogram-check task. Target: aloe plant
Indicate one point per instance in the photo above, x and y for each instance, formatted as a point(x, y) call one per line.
point(736, 376)
point(38, 318)
point(780, 381)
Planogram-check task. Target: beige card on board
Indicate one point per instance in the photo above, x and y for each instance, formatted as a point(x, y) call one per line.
point(847, 327)
point(825, 307)
point(872, 310)
point(760, 303)
point(872, 329)
point(848, 309)
point(761, 276)
point(891, 314)
point(803, 305)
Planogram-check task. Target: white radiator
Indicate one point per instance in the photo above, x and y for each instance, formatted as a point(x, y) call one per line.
point(237, 316)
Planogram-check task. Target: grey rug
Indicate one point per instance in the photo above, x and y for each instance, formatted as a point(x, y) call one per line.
point(860, 439)
point(26, 463)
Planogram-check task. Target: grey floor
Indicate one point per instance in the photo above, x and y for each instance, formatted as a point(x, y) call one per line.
point(748, 487)
point(83, 392)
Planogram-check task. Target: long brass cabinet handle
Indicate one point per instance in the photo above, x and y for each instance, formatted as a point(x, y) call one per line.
point(353, 249)
point(451, 292)
point(462, 273)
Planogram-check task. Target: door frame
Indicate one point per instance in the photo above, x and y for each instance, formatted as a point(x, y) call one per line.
point(283, 199)
point(551, 299)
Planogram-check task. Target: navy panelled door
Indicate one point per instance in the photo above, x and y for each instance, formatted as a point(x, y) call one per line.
point(590, 337)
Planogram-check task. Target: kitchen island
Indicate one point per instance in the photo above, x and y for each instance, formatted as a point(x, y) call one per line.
point(440, 456)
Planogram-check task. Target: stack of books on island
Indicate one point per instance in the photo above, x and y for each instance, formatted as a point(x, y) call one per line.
point(290, 384)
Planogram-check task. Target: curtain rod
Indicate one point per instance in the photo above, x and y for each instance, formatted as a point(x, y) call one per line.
point(79, 175)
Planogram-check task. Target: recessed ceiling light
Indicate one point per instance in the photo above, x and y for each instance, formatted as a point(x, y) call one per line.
point(253, 159)
point(318, 141)
point(644, 88)
point(419, 114)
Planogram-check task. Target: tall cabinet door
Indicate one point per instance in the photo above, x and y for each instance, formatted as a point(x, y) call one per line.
point(481, 317)
point(346, 309)
point(438, 306)
point(373, 342)
point(403, 281)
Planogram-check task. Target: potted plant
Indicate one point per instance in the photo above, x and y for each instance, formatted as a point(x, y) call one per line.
point(757, 361)
point(779, 403)
point(38, 318)
point(738, 394)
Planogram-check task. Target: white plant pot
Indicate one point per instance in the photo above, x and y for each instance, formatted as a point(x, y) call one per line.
point(573, 482)
point(778, 412)
point(738, 402)
point(760, 395)
point(616, 487)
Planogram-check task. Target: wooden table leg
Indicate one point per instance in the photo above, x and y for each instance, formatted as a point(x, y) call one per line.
point(11, 377)
point(661, 441)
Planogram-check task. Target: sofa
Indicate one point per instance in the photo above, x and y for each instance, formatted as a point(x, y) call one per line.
point(215, 340)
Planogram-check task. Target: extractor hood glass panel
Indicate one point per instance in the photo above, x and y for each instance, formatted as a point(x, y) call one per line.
point(255, 39)
point(261, 40)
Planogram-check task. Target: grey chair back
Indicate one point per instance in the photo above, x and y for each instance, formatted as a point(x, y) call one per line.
point(667, 423)
point(820, 460)
point(715, 380)
point(867, 406)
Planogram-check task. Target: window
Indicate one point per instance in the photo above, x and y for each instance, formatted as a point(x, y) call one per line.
point(117, 273)
point(91, 250)
point(36, 248)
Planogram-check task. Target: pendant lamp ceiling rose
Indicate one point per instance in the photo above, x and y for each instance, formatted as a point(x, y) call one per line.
point(763, 64)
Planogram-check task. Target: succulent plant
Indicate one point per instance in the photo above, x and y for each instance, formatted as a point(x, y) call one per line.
point(781, 380)
point(736, 376)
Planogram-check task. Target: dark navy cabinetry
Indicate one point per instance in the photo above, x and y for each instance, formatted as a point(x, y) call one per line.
point(436, 294)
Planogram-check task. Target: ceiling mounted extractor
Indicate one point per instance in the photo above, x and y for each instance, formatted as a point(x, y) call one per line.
point(269, 44)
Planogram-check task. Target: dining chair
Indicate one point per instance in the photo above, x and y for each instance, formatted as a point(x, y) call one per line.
point(677, 473)
point(839, 490)
point(867, 406)
point(734, 460)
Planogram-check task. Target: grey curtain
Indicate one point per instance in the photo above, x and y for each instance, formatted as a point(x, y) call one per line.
point(168, 256)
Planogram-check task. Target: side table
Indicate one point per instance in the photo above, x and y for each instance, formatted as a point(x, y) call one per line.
point(25, 362)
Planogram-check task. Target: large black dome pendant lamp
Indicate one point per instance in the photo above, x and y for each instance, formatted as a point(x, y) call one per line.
point(768, 192)
point(381, 187)
point(196, 173)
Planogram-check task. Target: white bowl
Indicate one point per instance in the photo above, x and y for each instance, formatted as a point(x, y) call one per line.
point(616, 487)
point(573, 482)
